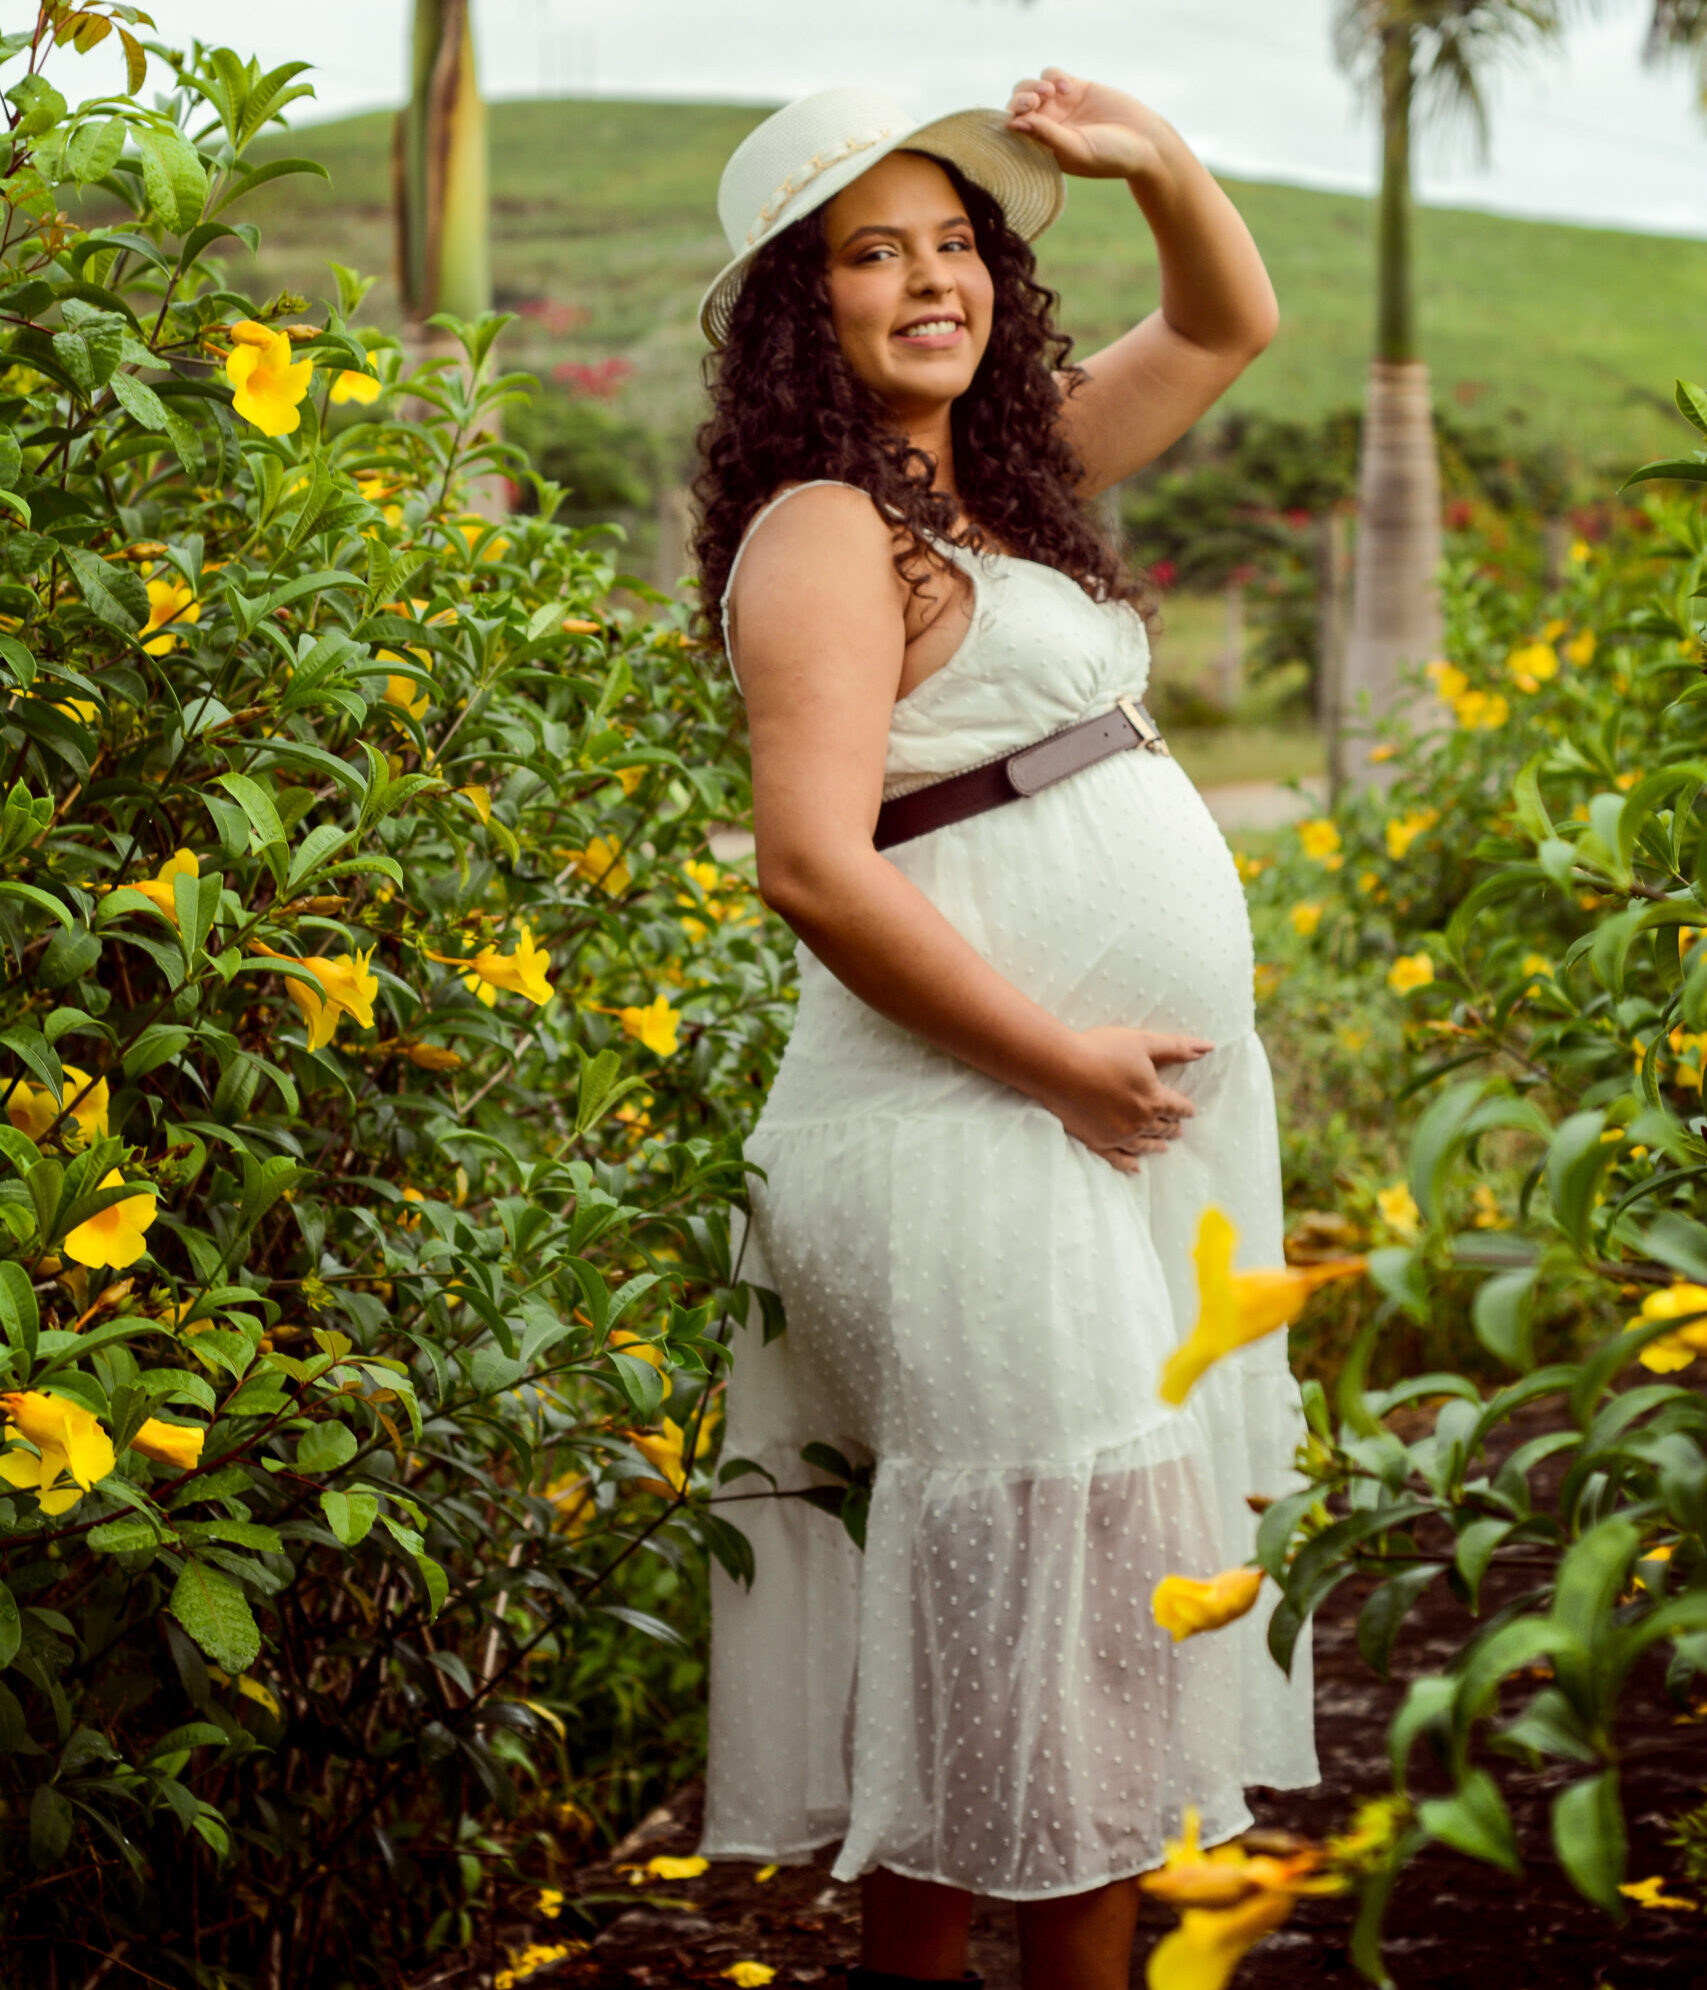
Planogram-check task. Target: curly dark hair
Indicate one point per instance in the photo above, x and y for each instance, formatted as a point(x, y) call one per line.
point(787, 407)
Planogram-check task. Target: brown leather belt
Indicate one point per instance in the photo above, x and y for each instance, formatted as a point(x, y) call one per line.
point(1009, 777)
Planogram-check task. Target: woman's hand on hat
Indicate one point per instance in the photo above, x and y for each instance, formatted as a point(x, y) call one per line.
point(1095, 132)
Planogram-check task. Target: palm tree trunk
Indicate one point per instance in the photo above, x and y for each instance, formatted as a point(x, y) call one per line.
point(1395, 613)
point(1395, 326)
point(439, 168)
point(440, 190)
point(1395, 616)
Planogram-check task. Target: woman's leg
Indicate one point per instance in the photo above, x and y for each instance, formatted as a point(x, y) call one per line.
point(913, 1927)
point(1080, 1942)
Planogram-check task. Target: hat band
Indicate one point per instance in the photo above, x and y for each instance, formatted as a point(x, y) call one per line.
point(803, 176)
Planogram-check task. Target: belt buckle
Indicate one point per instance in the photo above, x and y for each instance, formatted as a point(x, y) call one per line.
point(1149, 733)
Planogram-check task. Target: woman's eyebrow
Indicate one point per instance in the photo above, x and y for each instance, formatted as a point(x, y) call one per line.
point(890, 228)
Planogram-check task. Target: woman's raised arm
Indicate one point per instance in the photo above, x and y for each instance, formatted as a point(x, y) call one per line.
point(819, 632)
point(1218, 309)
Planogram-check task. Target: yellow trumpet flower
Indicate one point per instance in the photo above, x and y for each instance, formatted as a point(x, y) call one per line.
point(656, 1025)
point(1410, 971)
point(1184, 1606)
point(159, 891)
point(1679, 1300)
point(178, 1444)
point(67, 1439)
point(171, 603)
point(32, 1109)
point(113, 1236)
point(1237, 1307)
point(350, 384)
point(1228, 1899)
point(600, 864)
point(1320, 837)
point(1399, 1210)
point(1402, 831)
point(1448, 680)
point(520, 973)
point(346, 987)
point(269, 387)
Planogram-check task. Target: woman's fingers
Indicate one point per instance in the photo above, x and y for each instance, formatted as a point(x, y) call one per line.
point(1177, 1049)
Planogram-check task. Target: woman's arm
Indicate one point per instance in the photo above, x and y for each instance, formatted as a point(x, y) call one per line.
point(820, 624)
point(1218, 308)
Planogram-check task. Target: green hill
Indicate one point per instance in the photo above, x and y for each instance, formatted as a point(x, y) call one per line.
point(1564, 334)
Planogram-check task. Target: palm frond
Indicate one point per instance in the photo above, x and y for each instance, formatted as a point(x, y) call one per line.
point(1679, 28)
point(1457, 43)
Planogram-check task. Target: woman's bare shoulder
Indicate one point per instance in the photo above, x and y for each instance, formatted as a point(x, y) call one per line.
point(826, 536)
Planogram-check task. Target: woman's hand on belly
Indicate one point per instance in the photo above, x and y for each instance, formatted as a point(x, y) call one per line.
point(1117, 1103)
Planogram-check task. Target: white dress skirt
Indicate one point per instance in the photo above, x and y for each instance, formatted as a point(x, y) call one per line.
point(981, 1307)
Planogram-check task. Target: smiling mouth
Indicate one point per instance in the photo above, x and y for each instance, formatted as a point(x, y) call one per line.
point(929, 330)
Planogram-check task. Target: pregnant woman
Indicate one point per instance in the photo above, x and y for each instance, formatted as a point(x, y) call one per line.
point(1024, 1059)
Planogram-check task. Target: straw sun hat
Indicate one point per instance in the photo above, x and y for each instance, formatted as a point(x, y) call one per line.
point(804, 155)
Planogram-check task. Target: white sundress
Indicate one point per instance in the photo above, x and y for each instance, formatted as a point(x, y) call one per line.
point(982, 1306)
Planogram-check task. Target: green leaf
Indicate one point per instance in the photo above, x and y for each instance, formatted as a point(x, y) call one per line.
point(323, 1447)
point(1503, 1313)
point(172, 177)
point(11, 1628)
point(44, 1182)
point(1388, 1606)
point(1548, 1726)
point(1589, 1837)
point(50, 1825)
point(1474, 1820)
point(33, 895)
point(93, 149)
point(266, 831)
point(1690, 469)
point(1475, 1551)
point(115, 595)
point(216, 1613)
point(34, 1051)
point(1678, 1241)
point(40, 106)
point(19, 1314)
point(126, 1535)
point(350, 1515)
point(436, 1583)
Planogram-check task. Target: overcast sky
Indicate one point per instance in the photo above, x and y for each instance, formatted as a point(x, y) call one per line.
point(1584, 133)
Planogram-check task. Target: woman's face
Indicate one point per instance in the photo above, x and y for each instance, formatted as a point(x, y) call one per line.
point(910, 297)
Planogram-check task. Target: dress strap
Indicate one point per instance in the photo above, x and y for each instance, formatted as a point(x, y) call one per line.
point(758, 518)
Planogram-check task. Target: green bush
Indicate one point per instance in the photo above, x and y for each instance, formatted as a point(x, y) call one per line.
point(378, 1037)
point(1533, 891)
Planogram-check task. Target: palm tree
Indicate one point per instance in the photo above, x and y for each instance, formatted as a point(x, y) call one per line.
point(439, 171)
point(1417, 59)
point(1680, 27)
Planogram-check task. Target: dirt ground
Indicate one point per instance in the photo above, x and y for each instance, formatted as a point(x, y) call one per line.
point(1452, 1921)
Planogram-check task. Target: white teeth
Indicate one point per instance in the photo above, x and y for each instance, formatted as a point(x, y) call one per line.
point(932, 328)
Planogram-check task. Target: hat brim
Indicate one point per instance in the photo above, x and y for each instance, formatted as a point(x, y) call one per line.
point(1020, 173)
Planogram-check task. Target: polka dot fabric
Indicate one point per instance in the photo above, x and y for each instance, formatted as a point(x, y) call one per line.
point(981, 1307)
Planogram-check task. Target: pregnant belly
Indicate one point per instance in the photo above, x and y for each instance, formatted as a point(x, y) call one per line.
point(1112, 898)
point(1109, 898)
